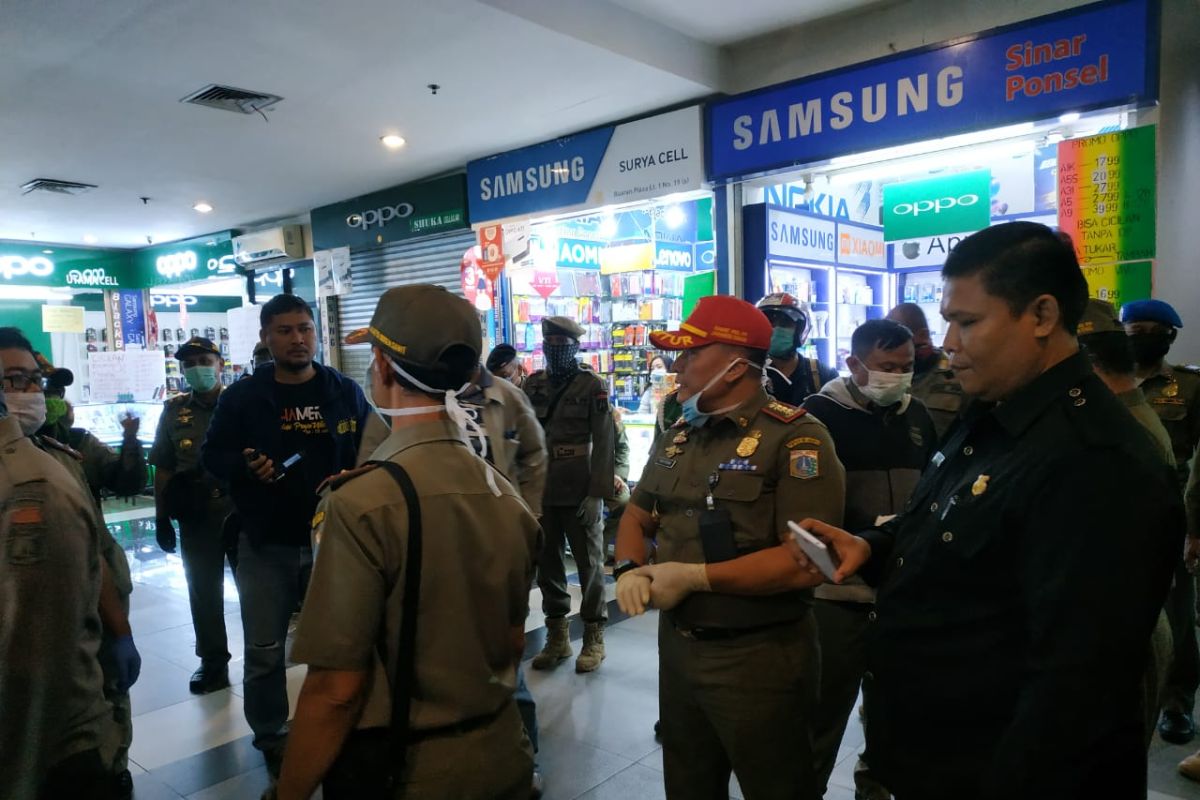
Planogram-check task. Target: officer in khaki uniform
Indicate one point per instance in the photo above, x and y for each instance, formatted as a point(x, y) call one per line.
point(185, 492)
point(933, 382)
point(54, 721)
point(119, 658)
point(1174, 394)
point(465, 735)
point(572, 404)
point(739, 665)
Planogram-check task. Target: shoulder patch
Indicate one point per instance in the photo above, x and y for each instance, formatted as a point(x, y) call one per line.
point(334, 482)
point(783, 412)
point(799, 440)
point(50, 443)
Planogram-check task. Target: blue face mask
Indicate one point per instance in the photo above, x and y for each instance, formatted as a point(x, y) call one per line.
point(692, 414)
point(201, 379)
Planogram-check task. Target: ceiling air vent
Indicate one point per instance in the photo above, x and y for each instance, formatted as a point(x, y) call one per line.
point(228, 98)
point(56, 187)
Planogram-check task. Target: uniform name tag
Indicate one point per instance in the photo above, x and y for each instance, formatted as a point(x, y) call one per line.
point(665, 463)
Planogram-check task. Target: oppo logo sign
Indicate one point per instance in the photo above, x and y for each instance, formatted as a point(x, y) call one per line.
point(91, 277)
point(919, 207)
point(379, 216)
point(169, 300)
point(222, 265)
point(16, 266)
point(172, 265)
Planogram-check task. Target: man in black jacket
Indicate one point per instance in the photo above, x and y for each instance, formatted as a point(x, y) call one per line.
point(884, 438)
point(274, 438)
point(1021, 583)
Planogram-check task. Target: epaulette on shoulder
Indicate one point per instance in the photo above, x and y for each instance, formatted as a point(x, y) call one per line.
point(334, 482)
point(177, 400)
point(50, 443)
point(782, 411)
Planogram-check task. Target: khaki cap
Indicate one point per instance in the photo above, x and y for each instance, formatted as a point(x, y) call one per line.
point(562, 326)
point(417, 324)
point(1099, 317)
point(197, 345)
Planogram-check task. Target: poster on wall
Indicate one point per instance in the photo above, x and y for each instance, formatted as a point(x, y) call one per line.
point(244, 327)
point(62, 319)
point(333, 271)
point(127, 376)
point(1106, 194)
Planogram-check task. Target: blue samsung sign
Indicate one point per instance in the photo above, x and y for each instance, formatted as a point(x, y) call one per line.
point(546, 176)
point(1095, 56)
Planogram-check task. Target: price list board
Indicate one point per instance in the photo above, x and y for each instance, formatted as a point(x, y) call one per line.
point(1106, 195)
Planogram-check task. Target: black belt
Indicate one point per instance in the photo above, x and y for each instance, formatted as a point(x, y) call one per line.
point(458, 728)
point(716, 634)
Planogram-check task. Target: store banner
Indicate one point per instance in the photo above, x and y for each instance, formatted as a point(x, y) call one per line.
point(926, 251)
point(476, 287)
point(636, 257)
point(1098, 55)
point(491, 245)
point(801, 237)
point(133, 317)
point(62, 319)
point(938, 205)
point(392, 215)
point(185, 261)
point(636, 161)
point(43, 265)
point(1106, 195)
point(545, 283)
point(674, 256)
point(861, 246)
point(1120, 283)
point(578, 253)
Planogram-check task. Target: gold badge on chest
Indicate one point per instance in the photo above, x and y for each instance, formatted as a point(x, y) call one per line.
point(747, 446)
point(1170, 390)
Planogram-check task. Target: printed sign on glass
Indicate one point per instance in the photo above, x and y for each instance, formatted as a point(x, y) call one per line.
point(938, 205)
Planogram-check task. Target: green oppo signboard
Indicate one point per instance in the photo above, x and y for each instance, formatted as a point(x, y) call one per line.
point(24, 264)
point(392, 215)
point(74, 267)
point(953, 204)
point(185, 261)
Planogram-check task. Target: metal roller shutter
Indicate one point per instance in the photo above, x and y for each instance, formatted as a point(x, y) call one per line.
point(377, 269)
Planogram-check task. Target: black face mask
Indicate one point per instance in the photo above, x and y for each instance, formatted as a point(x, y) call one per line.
point(1150, 348)
point(560, 359)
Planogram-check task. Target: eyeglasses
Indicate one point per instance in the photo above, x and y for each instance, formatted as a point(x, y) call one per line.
point(20, 381)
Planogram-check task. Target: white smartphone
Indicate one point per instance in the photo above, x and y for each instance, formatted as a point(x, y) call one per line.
point(815, 549)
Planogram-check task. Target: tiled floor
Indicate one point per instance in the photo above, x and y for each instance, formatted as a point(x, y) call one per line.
point(597, 739)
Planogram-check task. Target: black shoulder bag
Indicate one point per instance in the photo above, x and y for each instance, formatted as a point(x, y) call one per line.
point(372, 759)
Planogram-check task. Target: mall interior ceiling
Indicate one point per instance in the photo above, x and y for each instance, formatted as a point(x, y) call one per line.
point(91, 92)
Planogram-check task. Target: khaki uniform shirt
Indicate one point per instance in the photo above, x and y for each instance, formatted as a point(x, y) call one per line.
point(477, 568)
point(114, 557)
point(1174, 394)
point(181, 429)
point(941, 393)
point(772, 463)
point(1135, 401)
point(579, 436)
point(51, 701)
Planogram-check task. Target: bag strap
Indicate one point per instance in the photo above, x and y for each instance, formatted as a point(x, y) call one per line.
point(814, 367)
point(405, 675)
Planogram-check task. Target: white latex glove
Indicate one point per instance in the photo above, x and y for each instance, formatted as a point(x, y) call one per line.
point(672, 582)
point(590, 511)
point(633, 592)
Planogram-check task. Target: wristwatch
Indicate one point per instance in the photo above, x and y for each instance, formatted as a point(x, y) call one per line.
point(623, 567)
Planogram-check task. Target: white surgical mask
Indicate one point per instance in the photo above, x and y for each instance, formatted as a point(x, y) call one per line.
point(467, 425)
point(886, 388)
point(29, 409)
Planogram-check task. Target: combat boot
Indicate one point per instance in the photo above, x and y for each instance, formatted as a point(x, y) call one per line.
point(558, 645)
point(593, 648)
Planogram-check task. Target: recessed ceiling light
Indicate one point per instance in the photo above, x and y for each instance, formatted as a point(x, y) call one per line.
point(203, 207)
point(392, 141)
point(89, 239)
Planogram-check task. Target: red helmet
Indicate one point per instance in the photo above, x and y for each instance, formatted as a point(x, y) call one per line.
point(787, 305)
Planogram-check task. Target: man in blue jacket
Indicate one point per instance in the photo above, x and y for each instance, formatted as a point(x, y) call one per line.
point(275, 437)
